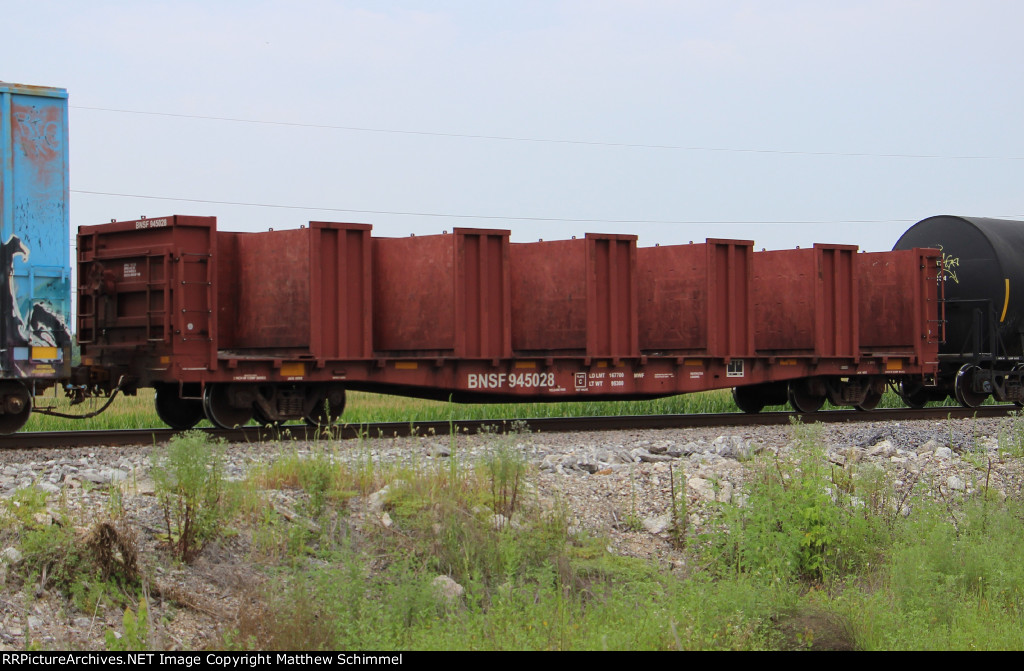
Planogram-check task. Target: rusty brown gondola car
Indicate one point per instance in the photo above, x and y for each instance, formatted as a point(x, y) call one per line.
point(277, 325)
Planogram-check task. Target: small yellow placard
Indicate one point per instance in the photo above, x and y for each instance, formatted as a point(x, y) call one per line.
point(894, 364)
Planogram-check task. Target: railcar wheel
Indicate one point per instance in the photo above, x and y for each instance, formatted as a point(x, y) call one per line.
point(748, 400)
point(330, 405)
point(870, 402)
point(914, 394)
point(219, 410)
point(962, 388)
point(176, 412)
point(804, 398)
point(15, 406)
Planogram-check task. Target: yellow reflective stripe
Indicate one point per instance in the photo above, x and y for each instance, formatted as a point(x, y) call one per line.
point(1006, 301)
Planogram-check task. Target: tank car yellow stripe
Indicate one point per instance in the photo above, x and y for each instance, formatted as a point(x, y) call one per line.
point(1006, 301)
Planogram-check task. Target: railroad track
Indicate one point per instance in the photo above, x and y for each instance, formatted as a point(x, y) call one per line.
point(125, 437)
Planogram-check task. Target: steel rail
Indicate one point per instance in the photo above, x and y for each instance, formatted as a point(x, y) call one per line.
point(252, 434)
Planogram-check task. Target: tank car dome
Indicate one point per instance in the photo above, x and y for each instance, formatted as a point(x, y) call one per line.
point(984, 261)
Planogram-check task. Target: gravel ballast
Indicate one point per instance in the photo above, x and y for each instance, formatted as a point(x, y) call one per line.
point(614, 484)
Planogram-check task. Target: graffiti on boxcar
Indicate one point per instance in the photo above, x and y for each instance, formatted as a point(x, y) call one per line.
point(12, 322)
point(45, 326)
point(38, 132)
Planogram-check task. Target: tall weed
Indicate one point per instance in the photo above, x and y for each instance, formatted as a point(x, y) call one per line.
point(190, 488)
point(800, 520)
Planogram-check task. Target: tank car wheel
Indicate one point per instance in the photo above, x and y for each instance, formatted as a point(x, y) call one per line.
point(176, 412)
point(218, 409)
point(962, 388)
point(15, 406)
point(329, 407)
point(803, 398)
point(870, 402)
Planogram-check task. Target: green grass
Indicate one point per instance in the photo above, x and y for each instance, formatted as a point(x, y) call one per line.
point(126, 412)
point(364, 408)
point(129, 412)
point(529, 583)
point(811, 556)
point(90, 561)
point(137, 412)
point(816, 558)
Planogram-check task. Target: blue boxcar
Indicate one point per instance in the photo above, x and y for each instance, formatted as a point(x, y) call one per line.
point(35, 296)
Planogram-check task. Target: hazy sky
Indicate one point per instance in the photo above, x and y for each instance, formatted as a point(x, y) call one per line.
point(785, 122)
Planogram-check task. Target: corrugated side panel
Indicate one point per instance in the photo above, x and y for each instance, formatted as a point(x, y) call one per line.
point(341, 300)
point(414, 294)
point(575, 297)
point(273, 300)
point(483, 312)
point(895, 286)
point(731, 328)
point(695, 299)
point(34, 231)
point(228, 289)
point(442, 294)
point(837, 324)
point(805, 301)
point(673, 291)
point(611, 296)
point(784, 285)
point(887, 296)
point(549, 296)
